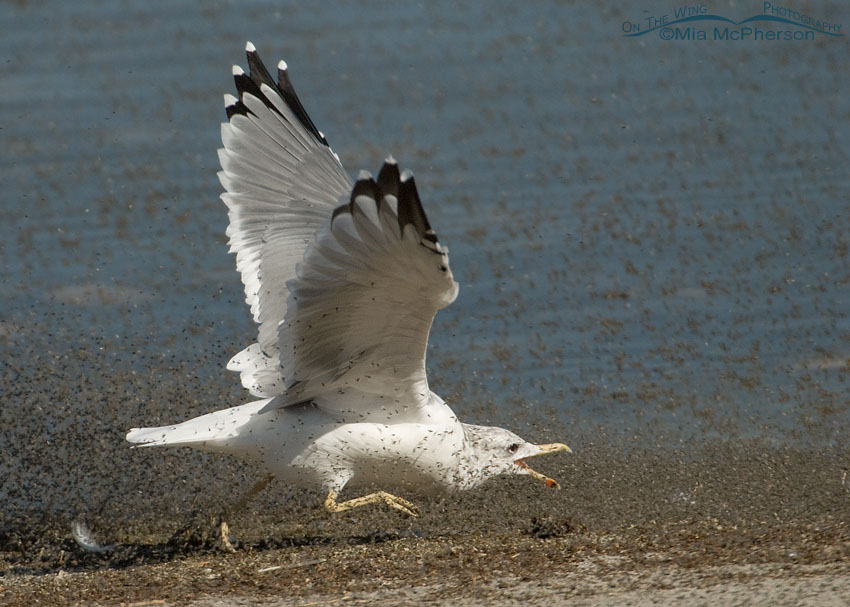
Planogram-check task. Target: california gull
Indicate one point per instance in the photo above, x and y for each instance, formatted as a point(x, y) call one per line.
point(344, 280)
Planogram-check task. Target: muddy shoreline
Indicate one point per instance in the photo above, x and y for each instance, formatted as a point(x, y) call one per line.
point(500, 569)
point(744, 518)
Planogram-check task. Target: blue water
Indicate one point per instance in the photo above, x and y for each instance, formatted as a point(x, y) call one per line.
point(651, 237)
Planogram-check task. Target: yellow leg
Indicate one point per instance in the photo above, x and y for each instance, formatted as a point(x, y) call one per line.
point(225, 537)
point(393, 501)
point(235, 508)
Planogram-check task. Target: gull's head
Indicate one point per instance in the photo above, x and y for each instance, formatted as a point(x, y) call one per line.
point(491, 451)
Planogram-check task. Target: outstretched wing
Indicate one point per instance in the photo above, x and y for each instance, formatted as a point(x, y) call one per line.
point(361, 307)
point(282, 182)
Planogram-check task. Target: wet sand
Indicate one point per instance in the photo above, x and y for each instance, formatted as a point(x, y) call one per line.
point(597, 580)
point(713, 525)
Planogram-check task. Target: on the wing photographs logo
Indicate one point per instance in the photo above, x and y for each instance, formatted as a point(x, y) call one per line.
point(695, 22)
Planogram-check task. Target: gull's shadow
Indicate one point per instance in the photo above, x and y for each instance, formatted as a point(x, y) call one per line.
point(45, 556)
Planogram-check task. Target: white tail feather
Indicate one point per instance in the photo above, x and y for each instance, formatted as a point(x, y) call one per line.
point(198, 432)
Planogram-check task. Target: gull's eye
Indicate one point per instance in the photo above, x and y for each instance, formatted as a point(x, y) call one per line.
point(513, 448)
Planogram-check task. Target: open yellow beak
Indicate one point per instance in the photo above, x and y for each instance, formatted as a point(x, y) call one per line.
point(544, 450)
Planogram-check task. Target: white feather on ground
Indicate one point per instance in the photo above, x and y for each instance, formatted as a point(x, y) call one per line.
point(86, 540)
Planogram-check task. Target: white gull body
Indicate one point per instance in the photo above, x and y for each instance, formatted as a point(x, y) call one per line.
point(344, 280)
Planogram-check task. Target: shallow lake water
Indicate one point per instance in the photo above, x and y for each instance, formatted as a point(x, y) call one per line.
point(651, 236)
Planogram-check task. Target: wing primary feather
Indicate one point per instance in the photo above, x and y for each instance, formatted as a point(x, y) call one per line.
point(233, 106)
point(366, 187)
point(287, 91)
point(244, 84)
point(253, 82)
point(236, 108)
point(388, 178)
point(343, 208)
point(410, 211)
point(257, 70)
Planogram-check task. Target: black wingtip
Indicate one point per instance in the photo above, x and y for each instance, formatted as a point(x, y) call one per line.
point(256, 69)
point(401, 185)
point(410, 211)
point(364, 186)
point(343, 208)
point(257, 76)
point(236, 108)
point(389, 177)
point(246, 84)
point(287, 92)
